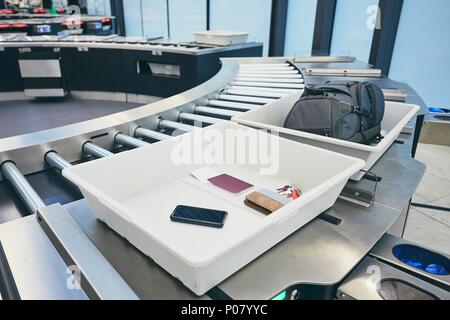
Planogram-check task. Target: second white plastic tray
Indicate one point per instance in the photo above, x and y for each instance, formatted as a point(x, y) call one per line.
point(272, 117)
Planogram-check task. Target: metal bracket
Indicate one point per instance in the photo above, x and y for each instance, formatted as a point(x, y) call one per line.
point(370, 73)
point(361, 196)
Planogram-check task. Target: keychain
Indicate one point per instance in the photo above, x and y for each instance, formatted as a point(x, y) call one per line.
point(290, 192)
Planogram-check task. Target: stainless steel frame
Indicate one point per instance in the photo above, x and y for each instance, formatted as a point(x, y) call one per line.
point(91, 270)
point(376, 73)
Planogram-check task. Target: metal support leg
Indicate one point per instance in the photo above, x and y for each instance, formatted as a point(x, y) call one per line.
point(419, 125)
point(24, 190)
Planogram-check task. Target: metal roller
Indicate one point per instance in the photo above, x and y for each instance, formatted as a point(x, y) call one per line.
point(232, 105)
point(266, 65)
point(276, 80)
point(216, 111)
point(24, 190)
point(56, 161)
point(268, 69)
point(255, 93)
point(96, 151)
point(264, 88)
point(172, 125)
point(270, 75)
point(150, 134)
point(197, 118)
point(129, 142)
point(269, 84)
point(282, 72)
point(244, 98)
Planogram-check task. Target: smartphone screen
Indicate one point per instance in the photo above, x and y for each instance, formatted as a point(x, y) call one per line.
point(199, 216)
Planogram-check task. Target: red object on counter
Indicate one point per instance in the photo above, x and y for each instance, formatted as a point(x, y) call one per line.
point(7, 11)
point(39, 11)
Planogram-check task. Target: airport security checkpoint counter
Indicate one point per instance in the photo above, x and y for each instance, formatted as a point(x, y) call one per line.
point(321, 253)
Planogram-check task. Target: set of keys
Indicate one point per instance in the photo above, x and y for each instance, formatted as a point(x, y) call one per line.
point(290, 192)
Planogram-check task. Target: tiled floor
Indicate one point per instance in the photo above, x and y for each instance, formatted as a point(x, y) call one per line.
point(431, 228)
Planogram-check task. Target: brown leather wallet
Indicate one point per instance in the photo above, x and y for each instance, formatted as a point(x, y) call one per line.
point(260, 201)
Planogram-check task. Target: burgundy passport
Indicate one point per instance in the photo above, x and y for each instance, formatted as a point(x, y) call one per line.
point(229, 183)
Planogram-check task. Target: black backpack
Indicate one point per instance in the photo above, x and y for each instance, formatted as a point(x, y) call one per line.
point(350, 111)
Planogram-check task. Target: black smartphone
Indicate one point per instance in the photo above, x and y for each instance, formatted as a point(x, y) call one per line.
point(199, 216)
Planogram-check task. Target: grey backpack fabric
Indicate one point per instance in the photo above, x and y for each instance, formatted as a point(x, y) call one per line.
point(350, 111)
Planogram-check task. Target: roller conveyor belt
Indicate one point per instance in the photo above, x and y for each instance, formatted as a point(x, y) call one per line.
point(208, 108)
point(229, 102)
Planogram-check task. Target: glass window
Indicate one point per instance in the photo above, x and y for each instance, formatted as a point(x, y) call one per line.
point(300, 27)
point(154, 17)
point(353, 28)
point(251, 16)
point(422, 50)
point(99, 7)
point(133, 17)
point(186, 17)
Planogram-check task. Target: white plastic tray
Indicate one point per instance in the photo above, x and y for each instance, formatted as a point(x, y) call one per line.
point(272, 117)
point(135, 193)
point(221, 38)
